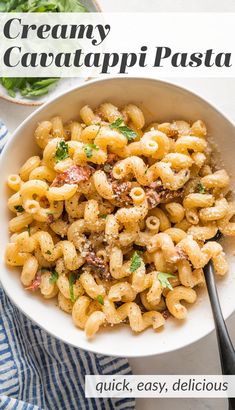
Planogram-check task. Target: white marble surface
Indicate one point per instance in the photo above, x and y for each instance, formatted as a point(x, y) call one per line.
point(201, 357)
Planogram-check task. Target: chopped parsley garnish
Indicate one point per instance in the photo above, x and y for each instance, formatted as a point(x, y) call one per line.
point(163, 279)
point(19, 208)
point(52, 213)
point(135, 262)
point(72, 280)
point(200, 188)
point(54, 277)
point(123, 129)
point(107, 167)
point(103, 216)
point(88, 149)
point(28, 229)
point(98, 131)
point(62, 151)
point(48, 252)
point(100, 299)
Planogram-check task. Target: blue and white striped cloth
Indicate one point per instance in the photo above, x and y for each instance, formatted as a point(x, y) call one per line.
point(4, 134)
point(39, 372)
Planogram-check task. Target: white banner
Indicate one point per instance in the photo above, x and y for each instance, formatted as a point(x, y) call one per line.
point(92, 44)
point(165, 386)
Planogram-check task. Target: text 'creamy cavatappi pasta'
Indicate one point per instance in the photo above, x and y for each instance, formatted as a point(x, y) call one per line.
point(115, 218)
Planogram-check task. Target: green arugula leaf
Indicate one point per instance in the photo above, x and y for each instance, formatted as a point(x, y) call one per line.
point(135, 262)
point(124, 130)
point(41, 6)
point(45, 82)
point(163, 279)
point(88, 148)
point(38, 88)
point(19, 208)
point(12, 84)
point(62, 151)
point(72, 280)
point(100, 299)
point(8, 83)
point(10, 5)
point(200, 188)
point(54, 277)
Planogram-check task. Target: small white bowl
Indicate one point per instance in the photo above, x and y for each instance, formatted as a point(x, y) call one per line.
point(160, 101)
point(62, 85)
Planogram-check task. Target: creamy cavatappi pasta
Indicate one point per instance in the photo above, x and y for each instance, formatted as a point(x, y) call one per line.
point(115, 218)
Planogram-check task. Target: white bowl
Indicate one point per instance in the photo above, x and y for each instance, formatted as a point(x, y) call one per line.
point(160, 101)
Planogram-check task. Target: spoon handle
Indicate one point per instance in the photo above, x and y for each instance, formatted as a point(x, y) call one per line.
point(226, 350)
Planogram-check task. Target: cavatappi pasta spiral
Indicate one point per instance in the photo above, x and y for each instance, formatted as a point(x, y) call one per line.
point(114, 219)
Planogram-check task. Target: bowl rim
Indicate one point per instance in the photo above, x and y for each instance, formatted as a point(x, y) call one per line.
point(10, 142)
point(18, 101)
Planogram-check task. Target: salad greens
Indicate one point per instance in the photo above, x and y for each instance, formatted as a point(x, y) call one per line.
point(41, 6)
point(35, 87)
point(28, 87)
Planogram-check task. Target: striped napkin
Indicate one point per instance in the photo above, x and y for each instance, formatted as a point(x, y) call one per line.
point(38, 371)
point(4, 134)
